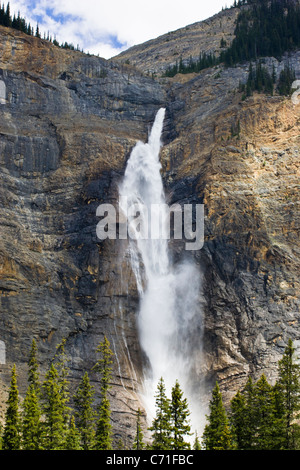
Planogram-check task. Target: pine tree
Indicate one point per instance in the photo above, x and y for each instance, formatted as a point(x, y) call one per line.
point(33, 376)
point(31, 421)
point(84, 413)
point(138, 443)
point(37, 32)
point(266, 29)
point(180, 427)
point(197, 445)
point(238, 420)
point(288, 389)
point(11, 435)
point(161, 431)
point(60, 364)
point(249, 418)
point(31, 416)
point(103, 366)
point(8, 19)
point(264, 416)
point(73, 437)
point(286, 78)
point(104, 429)
point(54, 426)
point(217, 434)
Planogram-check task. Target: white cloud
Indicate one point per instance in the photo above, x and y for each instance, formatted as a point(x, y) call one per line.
point(100, 27)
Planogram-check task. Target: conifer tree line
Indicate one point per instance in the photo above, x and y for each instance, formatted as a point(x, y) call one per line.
point(49, 418)
point(259, 417)
point(19, 23)
point(204, 61)
point(261, 80)
point(268, 28)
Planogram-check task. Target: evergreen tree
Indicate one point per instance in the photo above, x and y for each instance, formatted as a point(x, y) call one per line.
point(217, 434)
point(103, 437)
point(73, 437)
point(138, 443)
point(11, 435)
point(37, 32)
point(120, 445)
point(31, 416)
point(238, 421)
point(288, 393)
point(180, 427)
point(259, 79)
point(161, 431)
point(19, 23)
point(54, 426)
point(266, 29)
point(31, 421)
point(286, 78)
point(33, 376)
point(265, 430)
point(60, 363)
point(189, 66)
point(103, 366)
point(84, 413)
point(249, 419)
point(8, 20)
point(197, 445)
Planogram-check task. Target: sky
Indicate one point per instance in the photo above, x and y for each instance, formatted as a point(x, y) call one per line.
point(107, 27)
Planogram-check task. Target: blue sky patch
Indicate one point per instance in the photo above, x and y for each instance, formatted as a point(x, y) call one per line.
point(114, 41)
point(62, 17)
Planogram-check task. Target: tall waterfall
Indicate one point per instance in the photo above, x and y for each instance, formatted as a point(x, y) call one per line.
point(168, 293)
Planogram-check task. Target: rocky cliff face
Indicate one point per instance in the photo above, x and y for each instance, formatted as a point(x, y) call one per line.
point(248, 183)
point(68, 123)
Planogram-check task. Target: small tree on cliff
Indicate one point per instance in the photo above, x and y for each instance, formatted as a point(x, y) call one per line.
point(103, 366)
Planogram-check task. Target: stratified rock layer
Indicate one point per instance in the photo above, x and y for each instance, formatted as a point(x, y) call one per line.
point(67, 125)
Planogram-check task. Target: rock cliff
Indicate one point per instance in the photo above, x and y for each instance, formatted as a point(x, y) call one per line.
point(68, 122)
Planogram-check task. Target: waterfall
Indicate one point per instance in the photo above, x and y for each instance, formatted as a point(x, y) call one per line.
point(168, 292)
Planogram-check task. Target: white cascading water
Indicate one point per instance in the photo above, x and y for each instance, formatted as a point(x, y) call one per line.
point(168, 293)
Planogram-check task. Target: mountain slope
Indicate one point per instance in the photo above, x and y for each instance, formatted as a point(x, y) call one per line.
point(156, 55)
